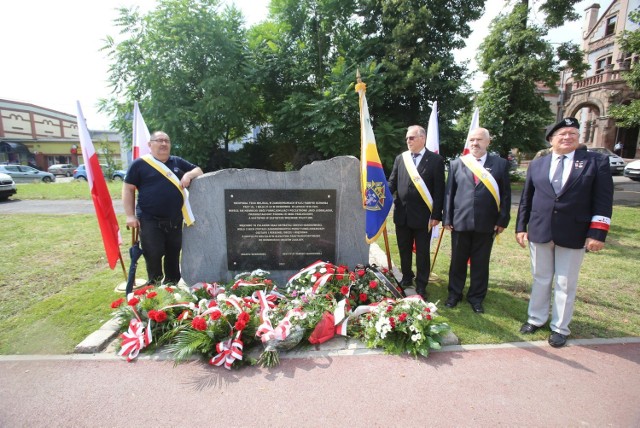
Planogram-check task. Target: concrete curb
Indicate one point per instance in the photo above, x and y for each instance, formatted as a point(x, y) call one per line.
point(99, 339)
point(333, 348)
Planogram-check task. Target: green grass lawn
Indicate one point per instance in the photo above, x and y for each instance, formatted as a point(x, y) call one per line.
point(56, 286)
point(608, 293)
point(76, 189)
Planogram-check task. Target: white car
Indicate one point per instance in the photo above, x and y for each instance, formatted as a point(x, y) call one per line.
point(65, 169)
point(632, 170)
point(7, 186)
point(616, 163)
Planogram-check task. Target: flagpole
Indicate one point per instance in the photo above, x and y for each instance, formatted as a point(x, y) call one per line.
point(435, 254)
point(124, 270)
point(386, 247)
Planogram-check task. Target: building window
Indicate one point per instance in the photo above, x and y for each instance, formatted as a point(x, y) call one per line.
point(602, 63)
point(611, 26)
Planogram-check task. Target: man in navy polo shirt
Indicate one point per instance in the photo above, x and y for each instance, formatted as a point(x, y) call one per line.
point(162, 206)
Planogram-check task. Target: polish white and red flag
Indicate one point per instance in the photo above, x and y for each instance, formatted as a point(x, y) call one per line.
point(433, 132)
point(141, 135)
point(475, 123)
point(433, 145)
point(102, 203)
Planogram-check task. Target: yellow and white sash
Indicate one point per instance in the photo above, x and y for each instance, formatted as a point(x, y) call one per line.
point(483, 175)
point(417, 180)
point(187, 214)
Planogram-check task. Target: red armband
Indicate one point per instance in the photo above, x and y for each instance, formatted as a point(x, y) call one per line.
point(600, 222)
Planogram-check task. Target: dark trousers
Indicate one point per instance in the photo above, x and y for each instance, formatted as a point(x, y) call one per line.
point(477, 247)
point(161, 242)
point(422, 237)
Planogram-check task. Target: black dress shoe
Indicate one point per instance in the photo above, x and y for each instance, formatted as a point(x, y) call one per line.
point(421, 290)
point(528, 328)
point(406, 283)
point(477, 308)
point(557, 340)
point(451, 302)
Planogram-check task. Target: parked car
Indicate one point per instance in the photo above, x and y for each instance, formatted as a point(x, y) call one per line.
point(615, 162)
point(65, 169)
point(26, 174)
point(632, 170)
point(7, 187)
point(80, 173)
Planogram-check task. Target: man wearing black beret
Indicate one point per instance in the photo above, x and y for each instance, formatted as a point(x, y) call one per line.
point(565, 210)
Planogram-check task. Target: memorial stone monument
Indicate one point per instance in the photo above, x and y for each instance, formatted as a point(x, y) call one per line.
point(277, 221)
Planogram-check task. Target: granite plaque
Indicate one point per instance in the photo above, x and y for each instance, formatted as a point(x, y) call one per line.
point(205, 250)
point(279, 229)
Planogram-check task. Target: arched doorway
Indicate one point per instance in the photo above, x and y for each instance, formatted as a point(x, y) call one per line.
point(629, 139)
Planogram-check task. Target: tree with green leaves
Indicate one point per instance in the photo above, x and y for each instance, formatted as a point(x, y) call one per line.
point(628, 116)
point(186, 63)
point(307, 56)
point(516, 57)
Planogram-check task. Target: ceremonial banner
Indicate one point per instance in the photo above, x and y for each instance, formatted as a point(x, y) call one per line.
point(100, 194)
point(433, 144)
point(475, 123)
point(376, 196)
point(433, 132)
point(141, 135)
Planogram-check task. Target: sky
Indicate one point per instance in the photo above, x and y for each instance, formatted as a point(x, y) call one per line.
point(52, 56)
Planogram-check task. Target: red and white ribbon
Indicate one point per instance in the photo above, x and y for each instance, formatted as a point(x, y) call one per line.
point(266, 331)
point(341, 325)
point(311, 268)
point(137, 338)
point(228, 352)
point(321, 282)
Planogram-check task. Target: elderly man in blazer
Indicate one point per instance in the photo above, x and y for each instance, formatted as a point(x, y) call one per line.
point(476, 208)
point(565, 210)
point(417, 182)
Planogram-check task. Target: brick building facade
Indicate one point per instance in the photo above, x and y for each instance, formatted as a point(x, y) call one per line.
point(40, 137)
point(603, 85)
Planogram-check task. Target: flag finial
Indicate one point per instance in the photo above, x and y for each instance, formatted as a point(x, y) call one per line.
point(360, 86)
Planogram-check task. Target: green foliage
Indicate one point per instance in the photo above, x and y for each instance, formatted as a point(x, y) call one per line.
point(306, 60)
point(559, 11)
point(186, 64)
point(628, 115)
point(516, 57)
point(189, 342)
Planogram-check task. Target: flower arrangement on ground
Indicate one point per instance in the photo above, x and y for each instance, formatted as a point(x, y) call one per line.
point(408, 325)
point(221, 321)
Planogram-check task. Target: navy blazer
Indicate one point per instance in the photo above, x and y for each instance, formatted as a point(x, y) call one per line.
point(472, 208)
point(565, 219)
point(409, 207)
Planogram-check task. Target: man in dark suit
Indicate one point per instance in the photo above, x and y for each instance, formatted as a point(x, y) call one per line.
point(565, 209)
point(476, 208)
point(417, 182)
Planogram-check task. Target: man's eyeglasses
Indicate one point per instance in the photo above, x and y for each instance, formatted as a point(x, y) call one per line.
point(162, 140)
point(412, 137)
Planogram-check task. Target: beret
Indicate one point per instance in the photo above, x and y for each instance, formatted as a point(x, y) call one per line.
point(567, 122)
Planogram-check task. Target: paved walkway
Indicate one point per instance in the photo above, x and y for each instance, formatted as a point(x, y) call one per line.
point(589, 383)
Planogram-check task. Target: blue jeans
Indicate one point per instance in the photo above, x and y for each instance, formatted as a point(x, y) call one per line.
point(161, 242)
